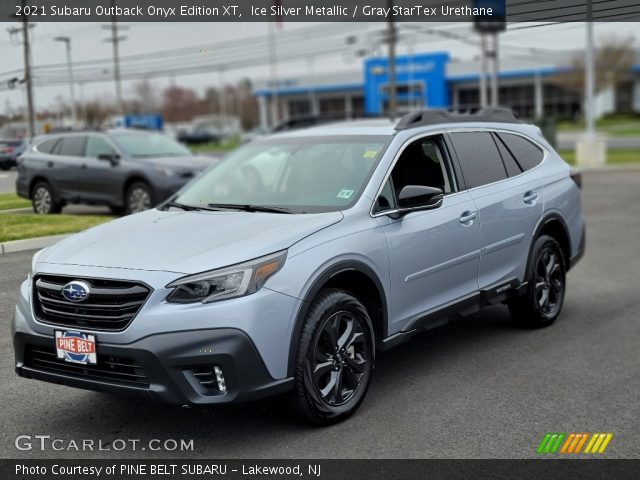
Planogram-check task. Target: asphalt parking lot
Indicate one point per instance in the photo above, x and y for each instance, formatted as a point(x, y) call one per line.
point(476, 388)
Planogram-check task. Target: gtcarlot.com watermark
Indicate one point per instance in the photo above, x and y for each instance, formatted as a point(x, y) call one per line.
point(47, 442)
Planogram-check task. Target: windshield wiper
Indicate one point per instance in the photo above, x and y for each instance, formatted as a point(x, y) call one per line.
point(188, 208)
point(249, 208)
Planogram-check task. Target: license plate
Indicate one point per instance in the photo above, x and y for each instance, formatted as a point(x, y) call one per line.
point(76, 347)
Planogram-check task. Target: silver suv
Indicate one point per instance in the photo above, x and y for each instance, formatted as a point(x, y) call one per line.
point(289, 265)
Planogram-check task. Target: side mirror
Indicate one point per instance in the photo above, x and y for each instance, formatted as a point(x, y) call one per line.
point(112, 158)
point(419, 197)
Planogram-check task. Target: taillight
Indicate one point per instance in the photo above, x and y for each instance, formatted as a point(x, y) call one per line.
point(576, 177)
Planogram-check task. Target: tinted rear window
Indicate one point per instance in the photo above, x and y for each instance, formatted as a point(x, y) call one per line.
point(526, 153)
point(479, 158)
point(47, 145)
point(72, 146)
point(510, 163)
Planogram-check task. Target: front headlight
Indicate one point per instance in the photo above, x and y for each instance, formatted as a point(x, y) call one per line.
point(229, 282)
point(34, 260)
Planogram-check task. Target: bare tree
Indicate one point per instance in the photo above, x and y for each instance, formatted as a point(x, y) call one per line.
point(146, 96)
point(613, 61)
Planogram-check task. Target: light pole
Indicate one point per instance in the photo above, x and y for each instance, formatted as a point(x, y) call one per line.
point(67, 42)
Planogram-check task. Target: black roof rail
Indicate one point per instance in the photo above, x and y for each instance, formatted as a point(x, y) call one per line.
point(436, 116)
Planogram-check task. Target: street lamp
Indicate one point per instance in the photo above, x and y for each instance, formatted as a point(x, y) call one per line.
point(67, 42)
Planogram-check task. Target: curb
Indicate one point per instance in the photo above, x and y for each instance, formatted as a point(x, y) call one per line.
point(29, 244)
point(17, 210)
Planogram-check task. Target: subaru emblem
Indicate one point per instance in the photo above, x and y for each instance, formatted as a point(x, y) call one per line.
point(76, 291)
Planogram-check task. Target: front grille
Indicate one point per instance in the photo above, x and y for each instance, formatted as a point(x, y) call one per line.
point(111, 305)
point(109, 367)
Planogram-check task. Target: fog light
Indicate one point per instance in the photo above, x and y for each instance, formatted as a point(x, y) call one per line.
point(222, 386)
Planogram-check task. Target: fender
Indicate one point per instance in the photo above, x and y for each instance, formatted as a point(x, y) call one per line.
point(316, 286)
point(551, 216)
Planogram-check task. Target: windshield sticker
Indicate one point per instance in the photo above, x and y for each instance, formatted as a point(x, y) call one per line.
point(345, 194)
point(369, 154)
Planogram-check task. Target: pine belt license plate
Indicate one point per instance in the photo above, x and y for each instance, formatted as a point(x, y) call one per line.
point(76, 347)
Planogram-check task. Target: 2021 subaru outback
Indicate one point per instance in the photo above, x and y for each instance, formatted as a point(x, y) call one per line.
point(286, 267)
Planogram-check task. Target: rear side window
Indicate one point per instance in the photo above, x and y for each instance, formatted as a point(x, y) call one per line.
point(479, 158)
point(525, 152)
point(71, 146)
point(47, 145)
point(510, 163)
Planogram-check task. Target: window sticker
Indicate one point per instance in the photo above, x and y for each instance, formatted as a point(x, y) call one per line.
point(369, 154)
point(346, 194)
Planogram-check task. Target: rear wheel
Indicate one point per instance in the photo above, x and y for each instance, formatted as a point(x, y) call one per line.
point(139, 197)
point(43, 199)
point(546, 275)
point(335, 358)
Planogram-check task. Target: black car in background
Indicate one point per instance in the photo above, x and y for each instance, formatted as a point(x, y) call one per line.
point(10, 149)
point(127, 170)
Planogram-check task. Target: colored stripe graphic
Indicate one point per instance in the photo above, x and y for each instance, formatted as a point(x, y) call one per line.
point(573, 443)
point(598, 442)
point(550, 443)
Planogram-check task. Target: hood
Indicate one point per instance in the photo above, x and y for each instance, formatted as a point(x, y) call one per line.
point(188, 162)
point(185, 242)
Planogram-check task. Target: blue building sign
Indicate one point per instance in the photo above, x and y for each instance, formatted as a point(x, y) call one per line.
point(144, 121)
point(420, 81)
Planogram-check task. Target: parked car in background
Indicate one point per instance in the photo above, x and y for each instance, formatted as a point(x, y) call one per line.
point(10, 149)
point(199, 135)
point(128, 170)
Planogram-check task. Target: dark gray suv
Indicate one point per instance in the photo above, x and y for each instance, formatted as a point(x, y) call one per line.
point(127, 170)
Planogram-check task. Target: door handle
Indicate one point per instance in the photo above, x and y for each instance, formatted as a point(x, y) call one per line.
point(50, 164)
point(83, 166)
point(467, 217)
point(530, 197)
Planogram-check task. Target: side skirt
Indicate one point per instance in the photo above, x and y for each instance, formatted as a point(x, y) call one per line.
point(473, 303)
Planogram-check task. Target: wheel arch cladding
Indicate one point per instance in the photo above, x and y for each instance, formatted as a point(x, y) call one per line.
point(554, 226)
point(36, 180)
point(353, 277)
point(134, 178)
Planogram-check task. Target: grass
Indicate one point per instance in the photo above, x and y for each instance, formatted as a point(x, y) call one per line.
point(17, 226)
point(9, 201)
point(222, 147)
point(614, 157)
point(614, 125)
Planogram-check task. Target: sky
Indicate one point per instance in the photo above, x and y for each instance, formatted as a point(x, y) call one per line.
point(88, 44)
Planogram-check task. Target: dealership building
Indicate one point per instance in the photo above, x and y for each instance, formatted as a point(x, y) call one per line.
point(531, 89)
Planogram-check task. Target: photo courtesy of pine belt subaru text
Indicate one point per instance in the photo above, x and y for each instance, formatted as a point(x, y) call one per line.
point(287, 267)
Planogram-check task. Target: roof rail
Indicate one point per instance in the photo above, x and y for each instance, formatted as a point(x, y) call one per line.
point(436, 116)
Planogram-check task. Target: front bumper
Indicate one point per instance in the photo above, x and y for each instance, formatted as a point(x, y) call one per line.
point(161, 367)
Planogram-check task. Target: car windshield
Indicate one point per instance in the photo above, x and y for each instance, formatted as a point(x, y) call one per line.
point(141, 145)
point(295, 175)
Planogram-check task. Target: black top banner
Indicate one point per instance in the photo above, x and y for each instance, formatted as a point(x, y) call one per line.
point(319, 10)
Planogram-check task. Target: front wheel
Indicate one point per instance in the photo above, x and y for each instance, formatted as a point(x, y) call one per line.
point(335, 358)
point(546, 275)
point(139, 198)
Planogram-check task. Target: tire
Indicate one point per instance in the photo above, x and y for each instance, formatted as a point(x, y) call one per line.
point(546, 275)
point(5, 167)
point(343, 361)
point(44, 199)
point(138, 198)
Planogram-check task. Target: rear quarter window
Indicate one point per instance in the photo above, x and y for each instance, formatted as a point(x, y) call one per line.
point(527, 154)
point(71, 146)
point(479, 158)
point(46, 146)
